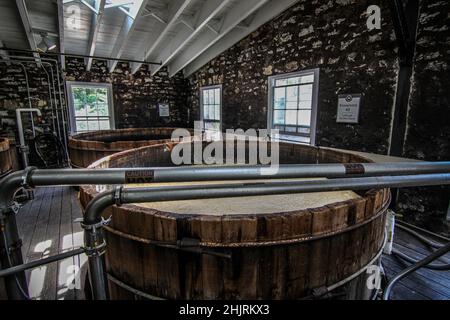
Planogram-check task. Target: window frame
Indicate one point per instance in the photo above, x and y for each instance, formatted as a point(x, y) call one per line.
point(202, 119)
point(314, 102)
point(71, 104)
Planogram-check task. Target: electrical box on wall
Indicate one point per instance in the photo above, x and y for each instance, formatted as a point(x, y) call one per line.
point(348, 108)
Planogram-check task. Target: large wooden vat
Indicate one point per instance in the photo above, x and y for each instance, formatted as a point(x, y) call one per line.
point(86, 148)
point(278, 255)
point(6, 165)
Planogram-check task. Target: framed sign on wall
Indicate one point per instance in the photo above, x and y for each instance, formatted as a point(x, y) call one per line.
point(164, 110)
point(348, 108)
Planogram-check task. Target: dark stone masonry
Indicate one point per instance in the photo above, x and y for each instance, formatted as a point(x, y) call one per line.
point(332, 36)
point(428, 131)
point(136, 97)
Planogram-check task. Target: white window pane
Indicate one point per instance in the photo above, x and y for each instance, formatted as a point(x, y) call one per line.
point(291, 117)
point(307, 79)
point(211, 96)
point(306, 92)
point(305, 105)
point(291, 105)
point(304, 130)
point(212, 112)
point(280, 82)
point(206, 111)
point(102, 95)
point(304, 118)
point(205, 96)
point(81, 125)
point(217, 112)
point(93, 125)
point(217, 96)
point(290, 129)
point(279, 116)
point(102, 110)
point(280, 105)
point(80, 110)
point(292, 93)
point(293, 80)
point(280, 95)
point(104, 124)
point(212, 126)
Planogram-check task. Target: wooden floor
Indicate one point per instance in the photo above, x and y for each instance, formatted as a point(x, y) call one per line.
point(47, 227)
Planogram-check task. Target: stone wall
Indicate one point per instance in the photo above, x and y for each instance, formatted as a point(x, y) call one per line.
point(136, 97)
point(332, 36)
point(428, 131)
point(14, 94)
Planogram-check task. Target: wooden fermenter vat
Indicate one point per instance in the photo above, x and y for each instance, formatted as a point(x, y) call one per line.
point(6, 165)
point(86, 148)
point(278, 247)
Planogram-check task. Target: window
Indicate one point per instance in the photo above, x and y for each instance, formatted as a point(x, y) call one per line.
point(211, 109)
point(293, 105)
point(90, 106)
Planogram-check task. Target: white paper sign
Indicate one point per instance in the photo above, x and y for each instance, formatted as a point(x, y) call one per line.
point(348, 108)
point(164, 110)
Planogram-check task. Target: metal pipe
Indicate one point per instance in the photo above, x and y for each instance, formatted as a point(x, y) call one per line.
point(427, 260)
point(41, 65)
point(58, 124)
point(136, 195)
point(35, 177)
point(403, 256)
point(23, 147)
point(94, 209)
point(44, 177)
point(83, 56)
point(27, 82)
point(41, 262)
point(50, 100)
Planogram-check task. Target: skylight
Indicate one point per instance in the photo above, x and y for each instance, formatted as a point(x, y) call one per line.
point(129, 7)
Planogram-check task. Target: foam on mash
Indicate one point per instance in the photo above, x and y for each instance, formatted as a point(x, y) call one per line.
point(246, 205)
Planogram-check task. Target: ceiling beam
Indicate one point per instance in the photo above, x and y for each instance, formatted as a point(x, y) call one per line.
point(126, 31)
point(118, 4)
point(174, 12)
point(233, 17)
point(209, 10)
point(21, 6)
point(99, 6)
point(60, 7)
point(266, 13)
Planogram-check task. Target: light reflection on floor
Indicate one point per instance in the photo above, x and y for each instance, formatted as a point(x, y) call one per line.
point(69, 271)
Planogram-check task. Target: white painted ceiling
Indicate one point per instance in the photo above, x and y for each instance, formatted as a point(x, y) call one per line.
point(181, 34)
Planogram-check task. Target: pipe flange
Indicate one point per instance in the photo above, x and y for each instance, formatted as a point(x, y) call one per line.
point(26, 177)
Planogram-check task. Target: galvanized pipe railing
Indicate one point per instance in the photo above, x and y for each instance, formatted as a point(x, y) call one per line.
point(138, 195)
point(401, 175)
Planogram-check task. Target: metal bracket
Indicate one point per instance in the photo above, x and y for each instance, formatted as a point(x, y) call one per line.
point(320, 292)
point(118, 196)
point(14, 208)
point(103, 222)
point(26, 177)
point(97, 250)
